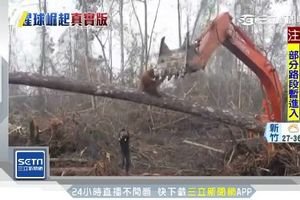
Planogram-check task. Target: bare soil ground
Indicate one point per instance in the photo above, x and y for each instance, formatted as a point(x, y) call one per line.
point(80, 142)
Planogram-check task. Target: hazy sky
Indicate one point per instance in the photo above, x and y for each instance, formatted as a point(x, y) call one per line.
point(166, 24)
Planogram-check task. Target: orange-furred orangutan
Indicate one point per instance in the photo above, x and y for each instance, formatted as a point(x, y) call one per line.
point(149, 82)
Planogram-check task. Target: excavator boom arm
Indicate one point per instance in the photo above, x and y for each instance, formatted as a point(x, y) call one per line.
point(221, 31)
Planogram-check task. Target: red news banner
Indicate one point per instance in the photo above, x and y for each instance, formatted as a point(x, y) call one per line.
point(293, 38)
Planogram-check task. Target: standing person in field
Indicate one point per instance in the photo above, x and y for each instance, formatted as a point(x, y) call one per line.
point(124, 144)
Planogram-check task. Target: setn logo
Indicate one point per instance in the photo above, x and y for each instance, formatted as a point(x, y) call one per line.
point(30, 164)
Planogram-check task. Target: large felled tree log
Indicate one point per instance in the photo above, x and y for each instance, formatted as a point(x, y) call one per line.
point(166, 102)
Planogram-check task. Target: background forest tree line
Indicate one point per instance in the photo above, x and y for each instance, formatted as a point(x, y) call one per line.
point(90, 54)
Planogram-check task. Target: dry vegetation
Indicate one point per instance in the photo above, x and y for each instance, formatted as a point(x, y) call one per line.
point(84, 141)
